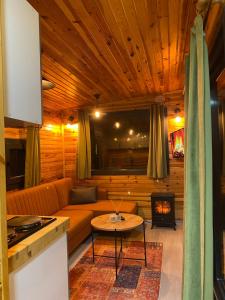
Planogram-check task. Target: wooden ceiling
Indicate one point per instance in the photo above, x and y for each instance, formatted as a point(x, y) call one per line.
point(118, 49)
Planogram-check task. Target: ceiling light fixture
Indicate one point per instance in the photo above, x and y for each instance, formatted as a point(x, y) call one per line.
point(97, 113)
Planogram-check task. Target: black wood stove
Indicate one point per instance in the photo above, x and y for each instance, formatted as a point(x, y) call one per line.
point(163, 210)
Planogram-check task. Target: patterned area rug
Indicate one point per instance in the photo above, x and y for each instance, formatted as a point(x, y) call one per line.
point(96, 281)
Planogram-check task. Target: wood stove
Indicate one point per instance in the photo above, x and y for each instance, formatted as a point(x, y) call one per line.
point(163, 210)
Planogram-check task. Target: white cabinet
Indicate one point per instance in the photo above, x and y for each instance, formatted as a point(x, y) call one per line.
point(21, 49)
point(45, 277)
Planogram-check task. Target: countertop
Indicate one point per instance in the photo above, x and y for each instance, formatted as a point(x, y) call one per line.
point(37, 242)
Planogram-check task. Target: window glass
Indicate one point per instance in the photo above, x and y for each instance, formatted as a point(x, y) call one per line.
point(120, 141)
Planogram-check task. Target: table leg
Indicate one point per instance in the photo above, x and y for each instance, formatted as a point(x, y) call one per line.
point(116, 252)
point(93, 245)
point(144, 243)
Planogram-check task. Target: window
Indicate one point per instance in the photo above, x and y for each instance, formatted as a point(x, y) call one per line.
point(119, 143)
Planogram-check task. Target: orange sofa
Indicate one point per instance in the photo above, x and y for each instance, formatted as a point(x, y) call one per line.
point(53, 199)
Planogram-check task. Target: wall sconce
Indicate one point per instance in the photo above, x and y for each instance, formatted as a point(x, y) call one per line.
point(70, 125)
point(177, 112)
point(46, 84)
point(53, 128)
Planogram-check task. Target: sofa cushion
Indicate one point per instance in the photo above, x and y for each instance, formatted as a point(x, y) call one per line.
point(38, 200)
point(63, 188)
point(79, 228)
point(104, 207)
point(83, 195)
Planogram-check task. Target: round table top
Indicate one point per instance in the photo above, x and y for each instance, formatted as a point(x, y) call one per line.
point(104, 222)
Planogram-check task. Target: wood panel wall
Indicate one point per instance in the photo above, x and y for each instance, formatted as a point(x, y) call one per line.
point(59, 157)
point(139, 188)
point(51, 147)
point(15, 133)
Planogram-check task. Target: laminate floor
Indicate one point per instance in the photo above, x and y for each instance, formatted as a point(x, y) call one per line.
point(172, 263)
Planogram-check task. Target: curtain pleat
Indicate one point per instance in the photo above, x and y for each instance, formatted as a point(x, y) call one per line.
point(198, 237)
point(84, 146)
point(32, 161)
point(158, 143)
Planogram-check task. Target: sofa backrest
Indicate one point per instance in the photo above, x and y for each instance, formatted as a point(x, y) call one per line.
point(102, 194)
point(63, 188)
point(45, 199)
point(38, 200)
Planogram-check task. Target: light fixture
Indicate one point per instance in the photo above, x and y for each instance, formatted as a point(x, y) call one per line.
point(97, 114)
point(115, 139)
point(128, 139)
point(131, 132)
point(177, 117)
point(71, 125)
point(47, 85)
point(117, 125)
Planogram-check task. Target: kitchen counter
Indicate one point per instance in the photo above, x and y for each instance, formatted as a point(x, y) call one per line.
point(33, 245)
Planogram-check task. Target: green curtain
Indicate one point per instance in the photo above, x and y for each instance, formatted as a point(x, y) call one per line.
point(158, 143)
point(32, 162)
point(198, 234)
point(84, 146)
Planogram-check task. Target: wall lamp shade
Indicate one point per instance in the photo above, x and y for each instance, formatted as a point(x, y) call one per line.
point(47, 85)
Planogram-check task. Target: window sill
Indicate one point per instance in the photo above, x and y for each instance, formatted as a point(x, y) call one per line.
point(119, 172)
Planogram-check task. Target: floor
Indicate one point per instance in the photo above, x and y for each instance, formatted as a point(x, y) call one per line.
point(171, 276)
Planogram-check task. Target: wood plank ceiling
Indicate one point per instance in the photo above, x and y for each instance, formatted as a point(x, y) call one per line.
point(118, 49)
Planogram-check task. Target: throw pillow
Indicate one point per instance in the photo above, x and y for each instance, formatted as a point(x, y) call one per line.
point(83, 195)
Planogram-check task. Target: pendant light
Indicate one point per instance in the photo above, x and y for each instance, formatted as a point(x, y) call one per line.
point(97, 112)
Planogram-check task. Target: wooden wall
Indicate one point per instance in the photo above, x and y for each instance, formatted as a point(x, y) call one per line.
point(51, 147)
point(138, 188)
point(15, 133)
point(58, 146)
point(59, 156)
point(70, 137)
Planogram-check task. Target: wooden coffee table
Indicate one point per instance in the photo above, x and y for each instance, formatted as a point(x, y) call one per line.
point(130, 222)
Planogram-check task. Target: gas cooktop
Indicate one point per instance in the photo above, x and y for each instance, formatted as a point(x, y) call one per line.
point(20, 227)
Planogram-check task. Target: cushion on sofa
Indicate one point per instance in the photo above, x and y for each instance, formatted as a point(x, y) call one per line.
point(63, 188)
point(104, 207)
point(79, 228)
point(83, 195)
point(38, 200)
